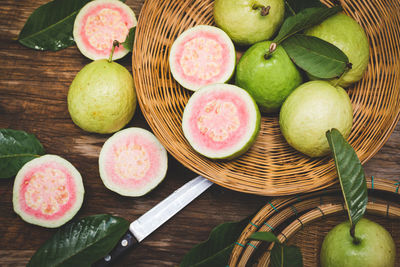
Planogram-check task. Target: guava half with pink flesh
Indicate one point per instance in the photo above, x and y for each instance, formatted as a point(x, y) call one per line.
point(202, 55)
point(221, 121)
point(48, 191)
point(98, 24)
point(132, 162)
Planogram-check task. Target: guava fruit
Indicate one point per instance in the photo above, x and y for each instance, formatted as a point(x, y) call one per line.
point(221, 121)
point(132, 162)
point(312, 109)
point(98, 24)
point(345, 33)
point(376, 247)
point(202, 55)
point(268, 80)
point(102, 98)
point(48, 191)
point(248, 22)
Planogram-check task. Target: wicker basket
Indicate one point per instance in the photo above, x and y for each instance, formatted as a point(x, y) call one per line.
point(271, 166)
point(304, 221)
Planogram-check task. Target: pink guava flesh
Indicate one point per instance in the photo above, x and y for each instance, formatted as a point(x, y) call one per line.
point(47, 191)
point(132, 162)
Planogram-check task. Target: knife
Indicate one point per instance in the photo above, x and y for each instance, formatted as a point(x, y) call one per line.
point(155, 217)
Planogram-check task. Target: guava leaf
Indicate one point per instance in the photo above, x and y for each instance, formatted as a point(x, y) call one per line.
point(81, 243)
point(286, 256)
point(351, 175)
point(16, 149)
point(295, 6)
point(264, 236)
point(316, 56)
point(217, 249)
point(51, 25)
point(128, 43)
point(304, 19)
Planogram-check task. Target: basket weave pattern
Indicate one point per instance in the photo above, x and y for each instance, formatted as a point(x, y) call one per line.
point(271, 166)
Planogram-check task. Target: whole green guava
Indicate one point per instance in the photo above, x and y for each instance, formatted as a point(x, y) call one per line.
point(312, 109)
point(376, 247)
point(102, 98)
point(269, 81)
point(247, 22)
point(345, 33)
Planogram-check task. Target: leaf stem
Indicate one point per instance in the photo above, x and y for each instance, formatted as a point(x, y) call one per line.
point(264, 9)
point(348, 67)
point(356, 240)
point(272, 48)
point(115, 44)
point(290, 8)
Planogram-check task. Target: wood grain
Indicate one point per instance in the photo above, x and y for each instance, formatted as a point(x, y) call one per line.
point(33, 91)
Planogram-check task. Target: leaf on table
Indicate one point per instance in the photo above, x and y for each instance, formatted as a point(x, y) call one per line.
point(217, 249)
point(316, 56)
point(351, 175)
point(295, 6)
point(286, 256)
point(16, 149)
point(82, 242)
point(304, 19)
point(128, 43)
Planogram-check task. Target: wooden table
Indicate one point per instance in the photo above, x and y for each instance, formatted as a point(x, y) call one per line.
point(33, 94)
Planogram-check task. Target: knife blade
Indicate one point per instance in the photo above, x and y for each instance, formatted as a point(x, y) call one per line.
point(155, 217)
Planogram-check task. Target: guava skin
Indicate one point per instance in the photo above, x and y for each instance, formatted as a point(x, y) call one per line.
point(345, 33)
point(269, 81)
point(376, 249)
point(102, 98)
point(312, 109)
point(245, 25)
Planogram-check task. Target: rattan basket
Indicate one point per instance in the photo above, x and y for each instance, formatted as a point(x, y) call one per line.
point(271, 166)
point(305, 220)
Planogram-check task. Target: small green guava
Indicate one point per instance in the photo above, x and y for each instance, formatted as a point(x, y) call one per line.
point(268, 80)
point(345, 33)
point(102, 98)
point(376, 247)
point(247, 22)
point(312, 109)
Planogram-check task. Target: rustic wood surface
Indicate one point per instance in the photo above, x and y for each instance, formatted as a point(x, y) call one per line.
point(33, 92)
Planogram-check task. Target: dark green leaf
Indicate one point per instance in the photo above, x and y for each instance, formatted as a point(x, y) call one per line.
point(264, 236)
point(16, 149)
point(50, 26)
point(316, 56)
point(81, 243)
point(295, 6)
point(128, 43)
point(217, 249)
point(286, 256)
point(303, 20)
point(351, 175)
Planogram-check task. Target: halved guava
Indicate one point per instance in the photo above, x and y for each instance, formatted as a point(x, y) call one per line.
point(132, 162)
point(98, 24)
point(202, 55)
point(221, 121)
point(48, 191)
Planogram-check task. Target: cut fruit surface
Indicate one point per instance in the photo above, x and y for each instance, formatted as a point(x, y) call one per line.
point(221, 121)
point(98, 24)
point(48, 191)
point(132, 162)
point(202, 55)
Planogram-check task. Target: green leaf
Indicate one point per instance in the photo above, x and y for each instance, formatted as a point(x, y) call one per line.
point(50, 26)
point(316, 56)
point(81, 243)
point(286, 256)
point(351, 175)
point(295, 6)
point(217, 249)
point(16, 149)
point(303, 20)
point(264, 236)
point(128, 43)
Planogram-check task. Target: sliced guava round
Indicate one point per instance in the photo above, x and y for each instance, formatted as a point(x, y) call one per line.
point(98, 24)
point(132, 162)
point(202, 55)
point(221, 121)
point(48, 191)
